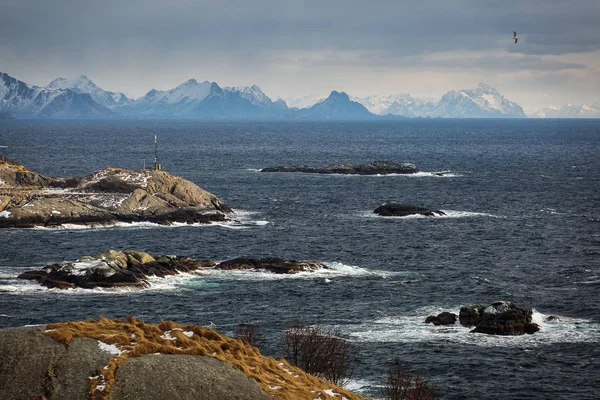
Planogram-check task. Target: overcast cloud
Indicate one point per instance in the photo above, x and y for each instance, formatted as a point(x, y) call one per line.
point(296, 48)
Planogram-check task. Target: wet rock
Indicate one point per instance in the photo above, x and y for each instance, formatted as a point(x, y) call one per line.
point(375, 168)
point(403, 210)
point(444, 318)
point(112, 269)
point(499, 318)
point(276, 265)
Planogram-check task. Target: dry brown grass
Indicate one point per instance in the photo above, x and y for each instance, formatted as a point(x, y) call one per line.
point(5, 162)
point(136, 338)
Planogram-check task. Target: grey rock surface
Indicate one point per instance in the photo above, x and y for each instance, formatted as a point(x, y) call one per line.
point(34, 365)
point(183, 377)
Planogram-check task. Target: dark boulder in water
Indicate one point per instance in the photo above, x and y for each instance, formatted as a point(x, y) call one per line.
point(499, 318)
point(403, 210)
point(444, 318)
point(374, 168)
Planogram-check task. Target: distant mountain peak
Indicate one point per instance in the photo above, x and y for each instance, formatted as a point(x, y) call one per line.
point(83, 85)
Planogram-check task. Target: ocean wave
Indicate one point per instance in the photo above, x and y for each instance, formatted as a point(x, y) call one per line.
point(420, 174)
point(335, 269)
point(411, 329)
point(238, 220)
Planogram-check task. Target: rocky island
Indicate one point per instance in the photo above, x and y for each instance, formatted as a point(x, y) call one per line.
point(403, 210)
point(374, 168)
point(105, 197)
point(499, 318)
point(133, 268)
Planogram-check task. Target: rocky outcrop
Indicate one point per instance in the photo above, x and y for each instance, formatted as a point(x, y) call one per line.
point(444, 318)
point(111, 195)
point(132, 269)
point(403, 210)
point(130, 359)
point(127, 268)
point(276, 265)
point(499, 318)
point(375, 168)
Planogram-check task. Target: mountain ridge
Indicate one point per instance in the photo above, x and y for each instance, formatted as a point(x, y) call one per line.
point(79, 97)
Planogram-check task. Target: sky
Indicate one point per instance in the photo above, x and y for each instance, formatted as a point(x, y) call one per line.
point(293, 49)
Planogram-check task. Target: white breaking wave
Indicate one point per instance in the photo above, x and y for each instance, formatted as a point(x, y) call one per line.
point(420, 174)
point(411, 328)
point(238, 220)
point(335, 269)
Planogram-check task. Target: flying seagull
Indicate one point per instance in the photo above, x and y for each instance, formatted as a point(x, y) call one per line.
point(515, 37)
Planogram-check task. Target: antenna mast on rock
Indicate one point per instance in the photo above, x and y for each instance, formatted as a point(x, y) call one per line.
point(156, 164)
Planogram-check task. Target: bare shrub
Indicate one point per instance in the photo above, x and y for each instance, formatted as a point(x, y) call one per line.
point(249, 333)
point(402, 385)
point(320, 352)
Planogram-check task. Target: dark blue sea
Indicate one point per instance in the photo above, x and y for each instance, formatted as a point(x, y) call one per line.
point(522, 199)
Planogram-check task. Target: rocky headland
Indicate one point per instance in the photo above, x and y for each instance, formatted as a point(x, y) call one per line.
point(374, 168)
point(133, 268)
point(105, 197)
point(129, 359)
point(403, 210)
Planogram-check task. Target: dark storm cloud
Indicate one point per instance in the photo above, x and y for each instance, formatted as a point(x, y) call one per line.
point(74, 28)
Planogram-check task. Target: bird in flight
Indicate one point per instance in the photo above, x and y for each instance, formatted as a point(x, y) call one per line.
point(515, 37)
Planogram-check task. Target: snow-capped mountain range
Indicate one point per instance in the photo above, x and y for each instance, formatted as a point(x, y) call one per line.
point(80, 98)
point(569, 111)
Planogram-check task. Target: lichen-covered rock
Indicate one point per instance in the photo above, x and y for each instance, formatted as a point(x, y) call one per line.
point(107, 196)
point(499, 318)
point(112, 269)
point(403, 210)
point(374, 168)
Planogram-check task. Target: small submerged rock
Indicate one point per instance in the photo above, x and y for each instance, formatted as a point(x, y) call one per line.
point(272, 264)
point(499, 318)
point(374, 168)
point(402, 210)
point(444, 318)
point(132, 269)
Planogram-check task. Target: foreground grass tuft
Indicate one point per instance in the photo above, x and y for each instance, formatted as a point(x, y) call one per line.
point(135, 338)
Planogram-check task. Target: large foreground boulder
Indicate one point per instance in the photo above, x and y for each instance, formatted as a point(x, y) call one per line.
point(374, 168)
point(499, 318)
point(402, 210)
point(107, 196)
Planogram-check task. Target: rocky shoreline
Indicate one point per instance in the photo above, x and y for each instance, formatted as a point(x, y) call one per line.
point(105, 197)
point(133, 268)
point(374, 168)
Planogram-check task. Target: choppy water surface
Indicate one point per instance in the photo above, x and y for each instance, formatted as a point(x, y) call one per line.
point(522, 201)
